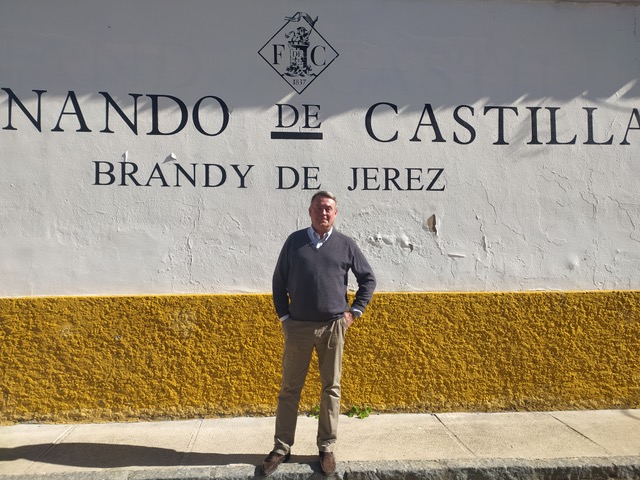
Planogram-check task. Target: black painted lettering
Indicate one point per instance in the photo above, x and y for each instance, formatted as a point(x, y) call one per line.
point(242, 176)
point(310, 173)
point(277, 52)
point(12, 98)
point(465, 124)
point(181, 171)
point(311, 114)
point(590, 135)
point(224, 115)
point(635, 115)
point(108, 173)
point(501, 110)
point(155, 114)
point(370, 174)
point(124, 173)
point(156, 174)
point(281, 114)
point(354, 178)
point(390, 177)
point(221, 170)
point(110, 102)
point(369, 126)
point(77, 112)
point(434, 124)
point(281, 180)
point(534, 126)
point(412, 180)
point(431, 187)
point(314, 55)
point(554, 131)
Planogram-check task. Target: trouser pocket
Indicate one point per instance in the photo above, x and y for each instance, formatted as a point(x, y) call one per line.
point(337, 332)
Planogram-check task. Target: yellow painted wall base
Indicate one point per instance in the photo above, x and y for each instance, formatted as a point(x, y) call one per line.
point(68, 359)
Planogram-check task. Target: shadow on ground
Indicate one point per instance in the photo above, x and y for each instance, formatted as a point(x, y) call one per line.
point(103, 455)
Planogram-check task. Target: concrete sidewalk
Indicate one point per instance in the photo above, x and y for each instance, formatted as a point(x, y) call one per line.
point(554, 445)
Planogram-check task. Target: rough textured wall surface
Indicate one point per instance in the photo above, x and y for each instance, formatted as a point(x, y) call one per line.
point(470, 148)
point(137, 357)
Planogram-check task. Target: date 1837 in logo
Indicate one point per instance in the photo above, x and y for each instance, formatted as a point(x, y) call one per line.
point(297, 52)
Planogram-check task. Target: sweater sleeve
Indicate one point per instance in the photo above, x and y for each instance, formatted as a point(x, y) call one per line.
point(279, 283)
point(365, 278)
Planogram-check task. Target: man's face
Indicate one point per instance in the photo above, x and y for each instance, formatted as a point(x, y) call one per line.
point(323, 213)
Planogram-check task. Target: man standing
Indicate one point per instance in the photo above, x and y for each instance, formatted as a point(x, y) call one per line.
point(310, 298)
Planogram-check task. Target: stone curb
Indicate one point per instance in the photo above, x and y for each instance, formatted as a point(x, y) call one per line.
point(606, 468)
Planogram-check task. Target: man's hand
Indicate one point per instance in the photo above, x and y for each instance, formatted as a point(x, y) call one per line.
point(349, 317)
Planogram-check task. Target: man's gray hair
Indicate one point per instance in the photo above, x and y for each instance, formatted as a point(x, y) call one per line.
point(325, 194)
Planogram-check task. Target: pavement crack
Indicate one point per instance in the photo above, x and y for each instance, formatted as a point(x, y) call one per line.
point(455, 437)
point(192, 442)
point(45, 452)
point(581, 434)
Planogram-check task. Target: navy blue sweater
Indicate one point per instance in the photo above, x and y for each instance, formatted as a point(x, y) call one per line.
point(310, 284)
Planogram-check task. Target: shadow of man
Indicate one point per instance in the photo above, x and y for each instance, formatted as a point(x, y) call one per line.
point(106, 456)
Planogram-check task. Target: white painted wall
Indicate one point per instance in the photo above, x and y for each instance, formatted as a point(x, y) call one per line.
point(515, 216)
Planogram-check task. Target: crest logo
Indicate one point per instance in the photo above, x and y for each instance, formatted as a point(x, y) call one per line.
point(297, 52)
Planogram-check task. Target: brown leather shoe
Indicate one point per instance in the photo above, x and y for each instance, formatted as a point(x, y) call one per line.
point(273, 461)
point(327, 462)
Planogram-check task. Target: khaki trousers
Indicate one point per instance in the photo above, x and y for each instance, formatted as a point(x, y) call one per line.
point(300, 338)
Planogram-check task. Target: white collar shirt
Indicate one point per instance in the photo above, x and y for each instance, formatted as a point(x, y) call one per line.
point(316, 240)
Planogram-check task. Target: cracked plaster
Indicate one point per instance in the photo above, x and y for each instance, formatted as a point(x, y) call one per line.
point(512, 217)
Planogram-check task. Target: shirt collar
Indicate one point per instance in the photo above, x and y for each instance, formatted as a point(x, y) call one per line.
point(316, 239)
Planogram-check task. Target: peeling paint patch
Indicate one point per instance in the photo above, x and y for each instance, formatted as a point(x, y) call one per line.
point(430, 224)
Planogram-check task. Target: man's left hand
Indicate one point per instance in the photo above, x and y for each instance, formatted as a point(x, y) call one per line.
point(349, 317)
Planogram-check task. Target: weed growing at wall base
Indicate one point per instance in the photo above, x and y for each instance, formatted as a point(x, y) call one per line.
point(359, 412)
